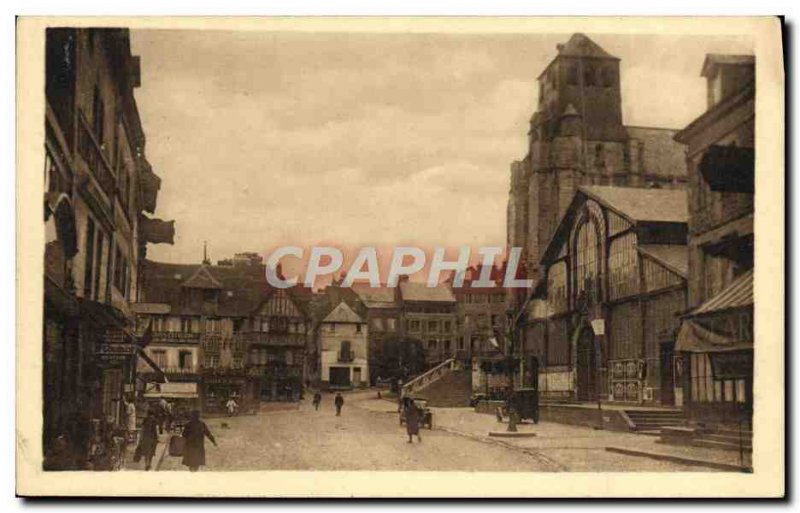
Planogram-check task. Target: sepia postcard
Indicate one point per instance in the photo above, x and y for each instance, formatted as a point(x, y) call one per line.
point(400, 257)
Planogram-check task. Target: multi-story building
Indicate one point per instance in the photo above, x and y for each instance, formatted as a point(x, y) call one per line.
point(481, 314)
point(577, 137)
point(343, 348)
point(99, 186)
point(716, 336)
point(429, 314)
point(223, 329)
point(603, 320)
point(384, 316)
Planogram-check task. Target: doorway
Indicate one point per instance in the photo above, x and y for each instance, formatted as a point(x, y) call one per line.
point(340, 376)
point(586, 366)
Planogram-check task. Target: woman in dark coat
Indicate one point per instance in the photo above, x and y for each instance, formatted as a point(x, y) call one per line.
point(413, 419)
point(194, 450)
point(149, 439)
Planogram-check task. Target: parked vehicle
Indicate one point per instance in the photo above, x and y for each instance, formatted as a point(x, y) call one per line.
point(427, 415)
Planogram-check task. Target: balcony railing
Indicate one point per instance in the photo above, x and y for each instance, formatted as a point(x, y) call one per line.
point(270, 339)
point(175, 336)
point(346, 356)
point(92, 153)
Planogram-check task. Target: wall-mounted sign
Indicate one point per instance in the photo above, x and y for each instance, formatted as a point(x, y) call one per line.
point(599, 326)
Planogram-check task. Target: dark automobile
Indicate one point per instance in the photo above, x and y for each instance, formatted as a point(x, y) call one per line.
point(525, 402)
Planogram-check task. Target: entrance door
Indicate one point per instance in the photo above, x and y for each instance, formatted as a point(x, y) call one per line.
point(340, 376)
point(587, 367)
point(666, 352)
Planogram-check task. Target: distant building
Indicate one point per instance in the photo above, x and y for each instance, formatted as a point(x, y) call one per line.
point(716, 335)
point(225, 332)
point(603, 320)
point(344, 352)
point(99, 190)
point(577, 137)
point(430, 317)
point(384, 316)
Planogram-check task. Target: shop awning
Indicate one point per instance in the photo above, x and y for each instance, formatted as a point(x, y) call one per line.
point(729, 168)
point(738, 294)
point(696, 338)
point(160, 376)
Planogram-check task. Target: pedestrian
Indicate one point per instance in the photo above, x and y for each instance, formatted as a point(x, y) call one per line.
point(339, 402)
point(194, 449)
point(162, 415)
point(169, 415)
point(232, 407)
point(130, 419)
point(317, 399)
point(413, 418)
point(148, 441)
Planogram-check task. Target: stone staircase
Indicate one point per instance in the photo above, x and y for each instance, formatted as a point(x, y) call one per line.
point(446, 386)
point(724, 438)
point(650, 421)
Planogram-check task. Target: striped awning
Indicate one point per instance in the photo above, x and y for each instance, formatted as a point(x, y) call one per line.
point(738, 294)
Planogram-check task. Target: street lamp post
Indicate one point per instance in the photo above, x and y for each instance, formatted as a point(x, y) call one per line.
point(513, 418)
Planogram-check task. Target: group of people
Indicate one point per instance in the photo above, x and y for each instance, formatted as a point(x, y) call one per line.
point(338, 402)
point(195, 431)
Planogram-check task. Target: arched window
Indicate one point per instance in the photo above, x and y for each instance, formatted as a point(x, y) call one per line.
point(607, 76)
point(572, 75)
point(588, 75)
point(587, 262)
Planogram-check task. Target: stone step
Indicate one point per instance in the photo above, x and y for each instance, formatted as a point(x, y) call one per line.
point(712, 444)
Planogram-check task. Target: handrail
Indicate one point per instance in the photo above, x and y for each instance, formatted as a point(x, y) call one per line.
point(429, 376)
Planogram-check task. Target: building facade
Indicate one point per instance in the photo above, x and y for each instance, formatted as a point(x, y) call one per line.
point(603, 320)
point(429, 314)
point(225, 332)
point(577, 137)
point(716, 337)
point(344, 349)
point(99, 188)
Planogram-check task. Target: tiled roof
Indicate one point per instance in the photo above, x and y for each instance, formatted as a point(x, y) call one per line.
point(638, 204)
point(737, 295)
point(419, 291)
point(242, 288)
point(673, 256)
point(377, 297)
point(343, 313)
point(662, 154)
point(579, 45)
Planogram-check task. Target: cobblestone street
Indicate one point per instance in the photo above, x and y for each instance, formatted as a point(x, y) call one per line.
point(368, 437)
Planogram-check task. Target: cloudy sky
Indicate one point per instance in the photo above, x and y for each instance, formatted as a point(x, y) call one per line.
point(265, 139)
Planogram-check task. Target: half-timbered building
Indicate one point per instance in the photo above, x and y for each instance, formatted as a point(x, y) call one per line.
point(602, 322)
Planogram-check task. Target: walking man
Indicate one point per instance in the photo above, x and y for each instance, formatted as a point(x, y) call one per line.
point(317, 399)
point(194, 449)
point(339, 402)
point(232, 407)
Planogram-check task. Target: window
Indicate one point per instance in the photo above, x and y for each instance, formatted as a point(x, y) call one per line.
point(98, 264)
point(433, 326)
point(607, 76)
point(332, 327)
point(432, 345)
point(358, 328)
point(461, 342)
point(447, 346)
point(599, 156)
point(186, 324)
point(587, 266)
point(89, 268)
point(376, 324)
point(623, 267)
point(185, 360)
point(447, 326)
point(390, 324)
point(211, 361)
point(572, 75)
point(159, 357)
point(414, 325)
point(588, 75)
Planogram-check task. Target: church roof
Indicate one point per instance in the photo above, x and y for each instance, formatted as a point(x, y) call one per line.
point(579, 45)
point(639, 205)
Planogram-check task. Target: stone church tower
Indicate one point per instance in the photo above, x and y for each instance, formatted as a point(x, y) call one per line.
point(577, 137)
